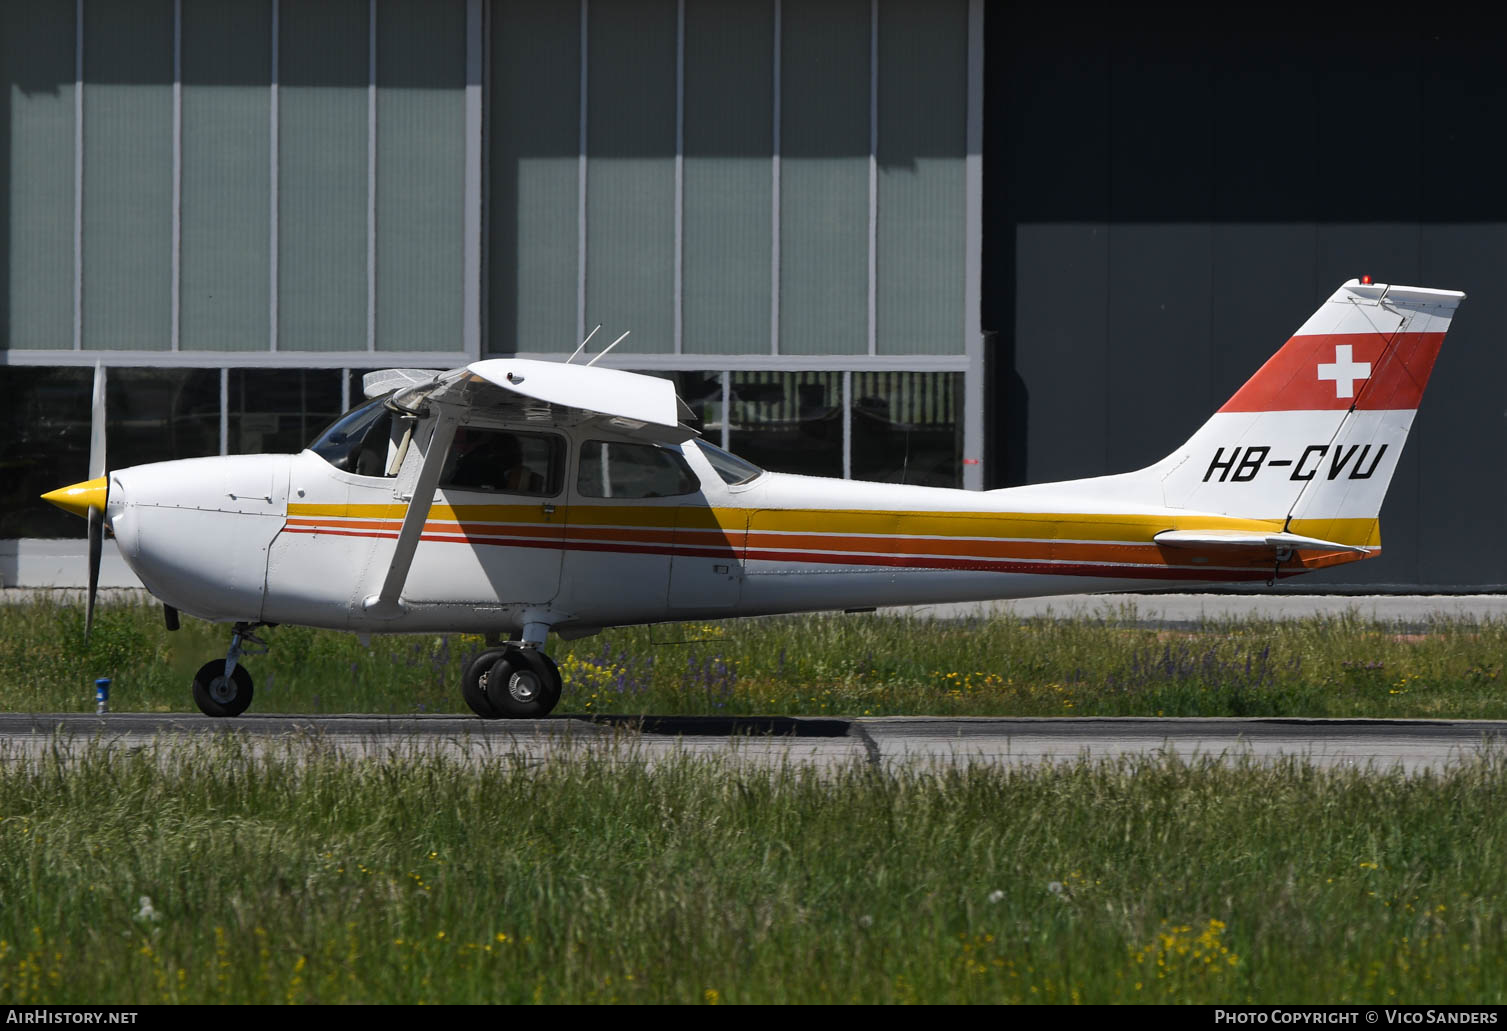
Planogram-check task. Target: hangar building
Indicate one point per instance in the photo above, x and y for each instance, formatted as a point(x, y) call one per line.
point(927, 241)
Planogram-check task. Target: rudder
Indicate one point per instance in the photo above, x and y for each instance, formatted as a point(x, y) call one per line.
point(1313, 438)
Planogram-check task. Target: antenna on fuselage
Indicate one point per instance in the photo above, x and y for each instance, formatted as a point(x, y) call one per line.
point(609, 347)
point(578, 350)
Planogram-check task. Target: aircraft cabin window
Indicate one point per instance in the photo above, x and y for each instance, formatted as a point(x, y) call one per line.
point(501, 460)
point(733, 470)
point(612, 469)
point(357, 442)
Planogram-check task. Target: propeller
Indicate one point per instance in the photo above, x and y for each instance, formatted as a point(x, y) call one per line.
point(89, 498)
point(96, 512)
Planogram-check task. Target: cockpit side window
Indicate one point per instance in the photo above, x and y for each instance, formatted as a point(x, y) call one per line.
point(502, 460)
point(614, 469)
point(357, 442)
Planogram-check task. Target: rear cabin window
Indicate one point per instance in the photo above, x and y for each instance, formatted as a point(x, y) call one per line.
point(612, 469)
point(734, 471)
point(501, 460)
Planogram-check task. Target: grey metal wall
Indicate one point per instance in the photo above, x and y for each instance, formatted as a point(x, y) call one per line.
point(1167, 200)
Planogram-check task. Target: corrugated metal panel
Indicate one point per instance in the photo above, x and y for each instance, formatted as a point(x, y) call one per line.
point(421, 146)
point(532, 133)
point(824, 177)
point(227, 69)
point(729, 97)
point(630, 177)
point(923, 94)
point(322, 176)
point(128, 174)
point(36, 128)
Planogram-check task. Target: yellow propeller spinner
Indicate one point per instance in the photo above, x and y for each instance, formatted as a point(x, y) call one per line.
point(80, 497)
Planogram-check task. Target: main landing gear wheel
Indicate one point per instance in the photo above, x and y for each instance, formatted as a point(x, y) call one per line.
point(217, 695)
point(520, 683)
point(471, 683)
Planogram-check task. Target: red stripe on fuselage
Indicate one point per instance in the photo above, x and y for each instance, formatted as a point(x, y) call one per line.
point(1157, 570)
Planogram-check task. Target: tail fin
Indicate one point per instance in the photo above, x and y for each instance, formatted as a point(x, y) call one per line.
point(1313, 438)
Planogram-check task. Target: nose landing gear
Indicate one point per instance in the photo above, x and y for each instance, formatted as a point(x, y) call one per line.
point(223, 687)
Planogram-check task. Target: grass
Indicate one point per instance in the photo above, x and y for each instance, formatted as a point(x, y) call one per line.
point(824, 665)
point(197, 872)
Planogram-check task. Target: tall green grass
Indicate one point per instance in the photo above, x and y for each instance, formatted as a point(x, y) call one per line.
point(202, 873)
point(811, 665)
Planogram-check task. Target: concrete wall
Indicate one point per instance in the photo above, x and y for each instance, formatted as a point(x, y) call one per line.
point(60, 563)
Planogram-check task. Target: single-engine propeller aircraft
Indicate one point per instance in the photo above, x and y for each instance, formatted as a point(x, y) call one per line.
point(514, 498)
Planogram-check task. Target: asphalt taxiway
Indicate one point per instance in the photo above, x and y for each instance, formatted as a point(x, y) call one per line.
point(1379, 745)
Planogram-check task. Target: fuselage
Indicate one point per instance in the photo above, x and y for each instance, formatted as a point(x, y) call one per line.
point(293, 539)
point(520, 497)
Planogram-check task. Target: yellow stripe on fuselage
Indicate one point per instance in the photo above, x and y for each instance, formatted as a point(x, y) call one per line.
point(1360, 533)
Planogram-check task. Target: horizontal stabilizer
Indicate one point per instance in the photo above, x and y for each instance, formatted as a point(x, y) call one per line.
point(1249, 539)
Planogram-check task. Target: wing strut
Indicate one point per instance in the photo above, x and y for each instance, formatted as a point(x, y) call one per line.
point(387, 604)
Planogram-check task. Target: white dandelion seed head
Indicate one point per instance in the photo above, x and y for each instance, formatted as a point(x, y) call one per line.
point(1055, 887)
point(996, 896)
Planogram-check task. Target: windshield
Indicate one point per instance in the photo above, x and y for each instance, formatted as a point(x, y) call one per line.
point(357, 441)
point(730, 467)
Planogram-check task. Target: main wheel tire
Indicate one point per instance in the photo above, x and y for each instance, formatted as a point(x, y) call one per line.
point(555, 678)
point(217, 696)
point(471, 682)
point(523, 684)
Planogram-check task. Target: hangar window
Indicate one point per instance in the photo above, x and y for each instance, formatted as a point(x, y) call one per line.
point(613, 469)
point(275, 411)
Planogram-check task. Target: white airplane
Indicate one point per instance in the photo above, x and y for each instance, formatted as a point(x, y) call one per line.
point(513, 498)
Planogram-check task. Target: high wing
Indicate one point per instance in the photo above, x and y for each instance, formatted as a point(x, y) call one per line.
point(525, 390)
point(516, 390)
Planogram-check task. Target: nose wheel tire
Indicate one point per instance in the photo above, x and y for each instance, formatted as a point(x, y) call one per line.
point(218, 696)
point(517, 683)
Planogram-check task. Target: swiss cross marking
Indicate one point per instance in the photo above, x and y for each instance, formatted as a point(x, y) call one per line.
point(1344, 371)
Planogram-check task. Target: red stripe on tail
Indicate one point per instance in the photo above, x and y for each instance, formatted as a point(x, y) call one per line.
point(1334, 371)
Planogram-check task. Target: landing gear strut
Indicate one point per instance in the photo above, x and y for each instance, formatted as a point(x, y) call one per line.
point(222, 687)
point(514, 680)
